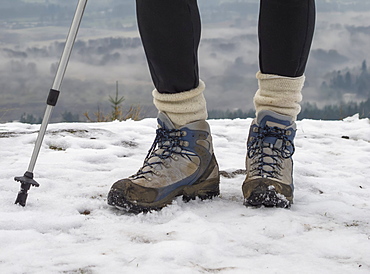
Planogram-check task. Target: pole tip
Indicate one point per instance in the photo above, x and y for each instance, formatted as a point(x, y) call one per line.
point(26, 182)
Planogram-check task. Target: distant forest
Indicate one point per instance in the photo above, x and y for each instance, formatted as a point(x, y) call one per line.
point(349, 87)
point(309, 111)
point(350, 84)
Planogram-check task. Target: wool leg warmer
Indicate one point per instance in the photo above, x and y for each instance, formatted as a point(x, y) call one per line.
point(183, 107)
point(280, 94)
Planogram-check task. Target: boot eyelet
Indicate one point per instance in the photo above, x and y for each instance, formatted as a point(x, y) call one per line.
point(183, 133)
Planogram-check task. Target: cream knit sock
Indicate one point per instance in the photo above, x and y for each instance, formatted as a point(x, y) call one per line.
point(184, 107)
point(280, 94)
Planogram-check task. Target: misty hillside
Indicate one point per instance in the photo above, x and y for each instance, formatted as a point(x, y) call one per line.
point(108, 49)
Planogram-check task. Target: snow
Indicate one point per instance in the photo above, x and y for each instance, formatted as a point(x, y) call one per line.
point(67, 227)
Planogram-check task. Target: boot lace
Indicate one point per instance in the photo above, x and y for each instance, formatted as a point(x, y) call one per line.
point(167, 143)
point(267, 158)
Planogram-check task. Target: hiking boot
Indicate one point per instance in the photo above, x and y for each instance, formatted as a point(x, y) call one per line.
point(269, 164)
point(180, 162)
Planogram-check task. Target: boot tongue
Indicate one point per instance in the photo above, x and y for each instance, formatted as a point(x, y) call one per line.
point(164, 121)
point(273, 119)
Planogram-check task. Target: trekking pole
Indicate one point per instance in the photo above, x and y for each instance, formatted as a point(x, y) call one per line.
point(27, 179)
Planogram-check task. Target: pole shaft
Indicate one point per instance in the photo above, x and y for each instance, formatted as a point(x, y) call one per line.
point(72, 34)
point(40, 138)
point(71, 37)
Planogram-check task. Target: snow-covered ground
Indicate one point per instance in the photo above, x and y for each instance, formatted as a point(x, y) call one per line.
point(67, 227)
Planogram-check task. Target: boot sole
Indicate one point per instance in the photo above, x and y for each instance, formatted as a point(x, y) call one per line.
point(267, 193)
point(206, 187)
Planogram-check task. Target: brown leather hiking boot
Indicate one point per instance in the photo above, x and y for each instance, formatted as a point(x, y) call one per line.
point(269, 163)
point(180, 162)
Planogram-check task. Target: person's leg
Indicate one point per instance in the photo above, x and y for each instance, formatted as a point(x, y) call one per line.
point(170, 32)
point(285, 32)
point(285, 35)
point(181, 160)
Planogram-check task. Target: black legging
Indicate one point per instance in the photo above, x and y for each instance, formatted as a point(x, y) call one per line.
point(170, 32)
